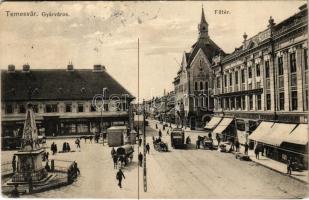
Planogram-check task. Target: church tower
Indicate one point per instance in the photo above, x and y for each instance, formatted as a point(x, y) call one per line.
point(203, 27)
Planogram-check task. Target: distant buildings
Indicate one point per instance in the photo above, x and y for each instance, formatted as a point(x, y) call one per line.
point(62, 100)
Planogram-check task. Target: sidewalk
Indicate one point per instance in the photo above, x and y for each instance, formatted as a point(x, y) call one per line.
point(302, 176)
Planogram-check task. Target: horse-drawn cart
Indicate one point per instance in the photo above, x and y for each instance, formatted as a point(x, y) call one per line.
point(125, 154)
point(160, 146)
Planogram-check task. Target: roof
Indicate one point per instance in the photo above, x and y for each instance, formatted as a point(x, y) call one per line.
point(209, 47)
point(58, 84)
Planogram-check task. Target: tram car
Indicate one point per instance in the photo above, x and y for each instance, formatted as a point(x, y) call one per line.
point(177, 138)
point(125, 154)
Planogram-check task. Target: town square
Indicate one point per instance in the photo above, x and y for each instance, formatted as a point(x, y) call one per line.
point(154, 100)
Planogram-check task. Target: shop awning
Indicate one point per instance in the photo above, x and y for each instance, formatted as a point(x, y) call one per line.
point(260, 131)
point(223, 125)
point(298, 136)
point(277, 133)
point(213, 122)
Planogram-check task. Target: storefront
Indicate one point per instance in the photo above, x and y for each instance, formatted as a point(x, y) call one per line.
point(225, 129)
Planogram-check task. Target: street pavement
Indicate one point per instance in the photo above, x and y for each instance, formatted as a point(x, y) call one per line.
point(187, 173)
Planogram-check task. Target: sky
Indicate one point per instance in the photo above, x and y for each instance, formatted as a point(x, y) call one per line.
point(107, 32)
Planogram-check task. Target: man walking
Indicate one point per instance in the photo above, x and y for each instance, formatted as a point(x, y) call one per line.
point(119, 176)
point(115, 159)
point(140, 141)
point(289, 167)
point(140, 159)
point(256, 151)
point(237, 145)
point(147, 148)
point(77, 142)
point(246, 148)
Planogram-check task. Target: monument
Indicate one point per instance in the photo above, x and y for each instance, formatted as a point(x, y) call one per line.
point(29, 158)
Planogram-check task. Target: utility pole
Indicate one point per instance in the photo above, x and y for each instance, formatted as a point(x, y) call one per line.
point(144, 131)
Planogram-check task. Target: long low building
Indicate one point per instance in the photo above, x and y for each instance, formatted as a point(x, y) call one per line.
point(65, 101)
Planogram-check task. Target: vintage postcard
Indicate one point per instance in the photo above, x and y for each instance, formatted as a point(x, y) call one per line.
point(154, 99)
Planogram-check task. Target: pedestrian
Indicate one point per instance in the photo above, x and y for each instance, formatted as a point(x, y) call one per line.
point(47, 167)
point(160, 133)
point(198, 143)
point(246, 148)
point(53, 147)
point(90, 138)
point(153, 138)
point(156, 126)
point(168, 132)
point(140, 159)
point(218, 139)
point(188, 140)
point(140, 141)
point(119, 176)
point(237, 145)
point(64, 147)
point(68, 147)
point(115, 159)
point(77, 142)
point(163, 127)
point(289, 167)
point(256, 151)
point(15, 193)
point(113, 151)
point(147, 148)
point(14, 163)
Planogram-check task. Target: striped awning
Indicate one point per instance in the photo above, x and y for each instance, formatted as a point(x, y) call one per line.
point(213, 123)
point(223, 125)
point(298, 136)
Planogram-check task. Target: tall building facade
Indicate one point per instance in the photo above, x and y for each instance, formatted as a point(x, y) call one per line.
point(194, 81)
point(265, 82)
point(63, 100)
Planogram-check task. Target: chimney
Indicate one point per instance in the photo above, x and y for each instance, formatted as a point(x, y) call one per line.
point(98, 68)
point(11, 68)
point(26, 68)
point(70, 67)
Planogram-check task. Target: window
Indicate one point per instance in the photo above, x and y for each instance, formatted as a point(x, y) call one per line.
point(232, 102)
point(243, 102)
point(250, 72)
point(242, 75)
point(50, 108)
point(267, 69)
point(259, 101)
point(92, 108)
point(251, 102)
point(306, 58)
point(280, 66)
point(218, 82)
point(238, 102)
point(201, 86)
point(294, 100)
point(292, 63)
point(306, 100)
point(195, 87)
point(268, 102)
point(206, 85)
point(8, 109)
point(231, 78)
point(228, 103)
point(35, 108)
point(68, 107)
point(80, 107)
point(106, 107)
point(236, 77)
point(281, 101)
point(258, 70)
point(22, 108)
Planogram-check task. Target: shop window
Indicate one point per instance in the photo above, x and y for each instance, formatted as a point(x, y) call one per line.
point(294, 100)
point(68, 107)
point(292, 63)
point(267, 73)
point(259, 101)
point(9, 109)
point(281, 101)
point(280, 66)
point(82, 128)
point(80, 107)
point(22, 108)
point(268, 102)
point(258, 70)
point(51, 108)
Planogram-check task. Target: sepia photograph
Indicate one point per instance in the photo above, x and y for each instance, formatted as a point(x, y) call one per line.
point(154, 99)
